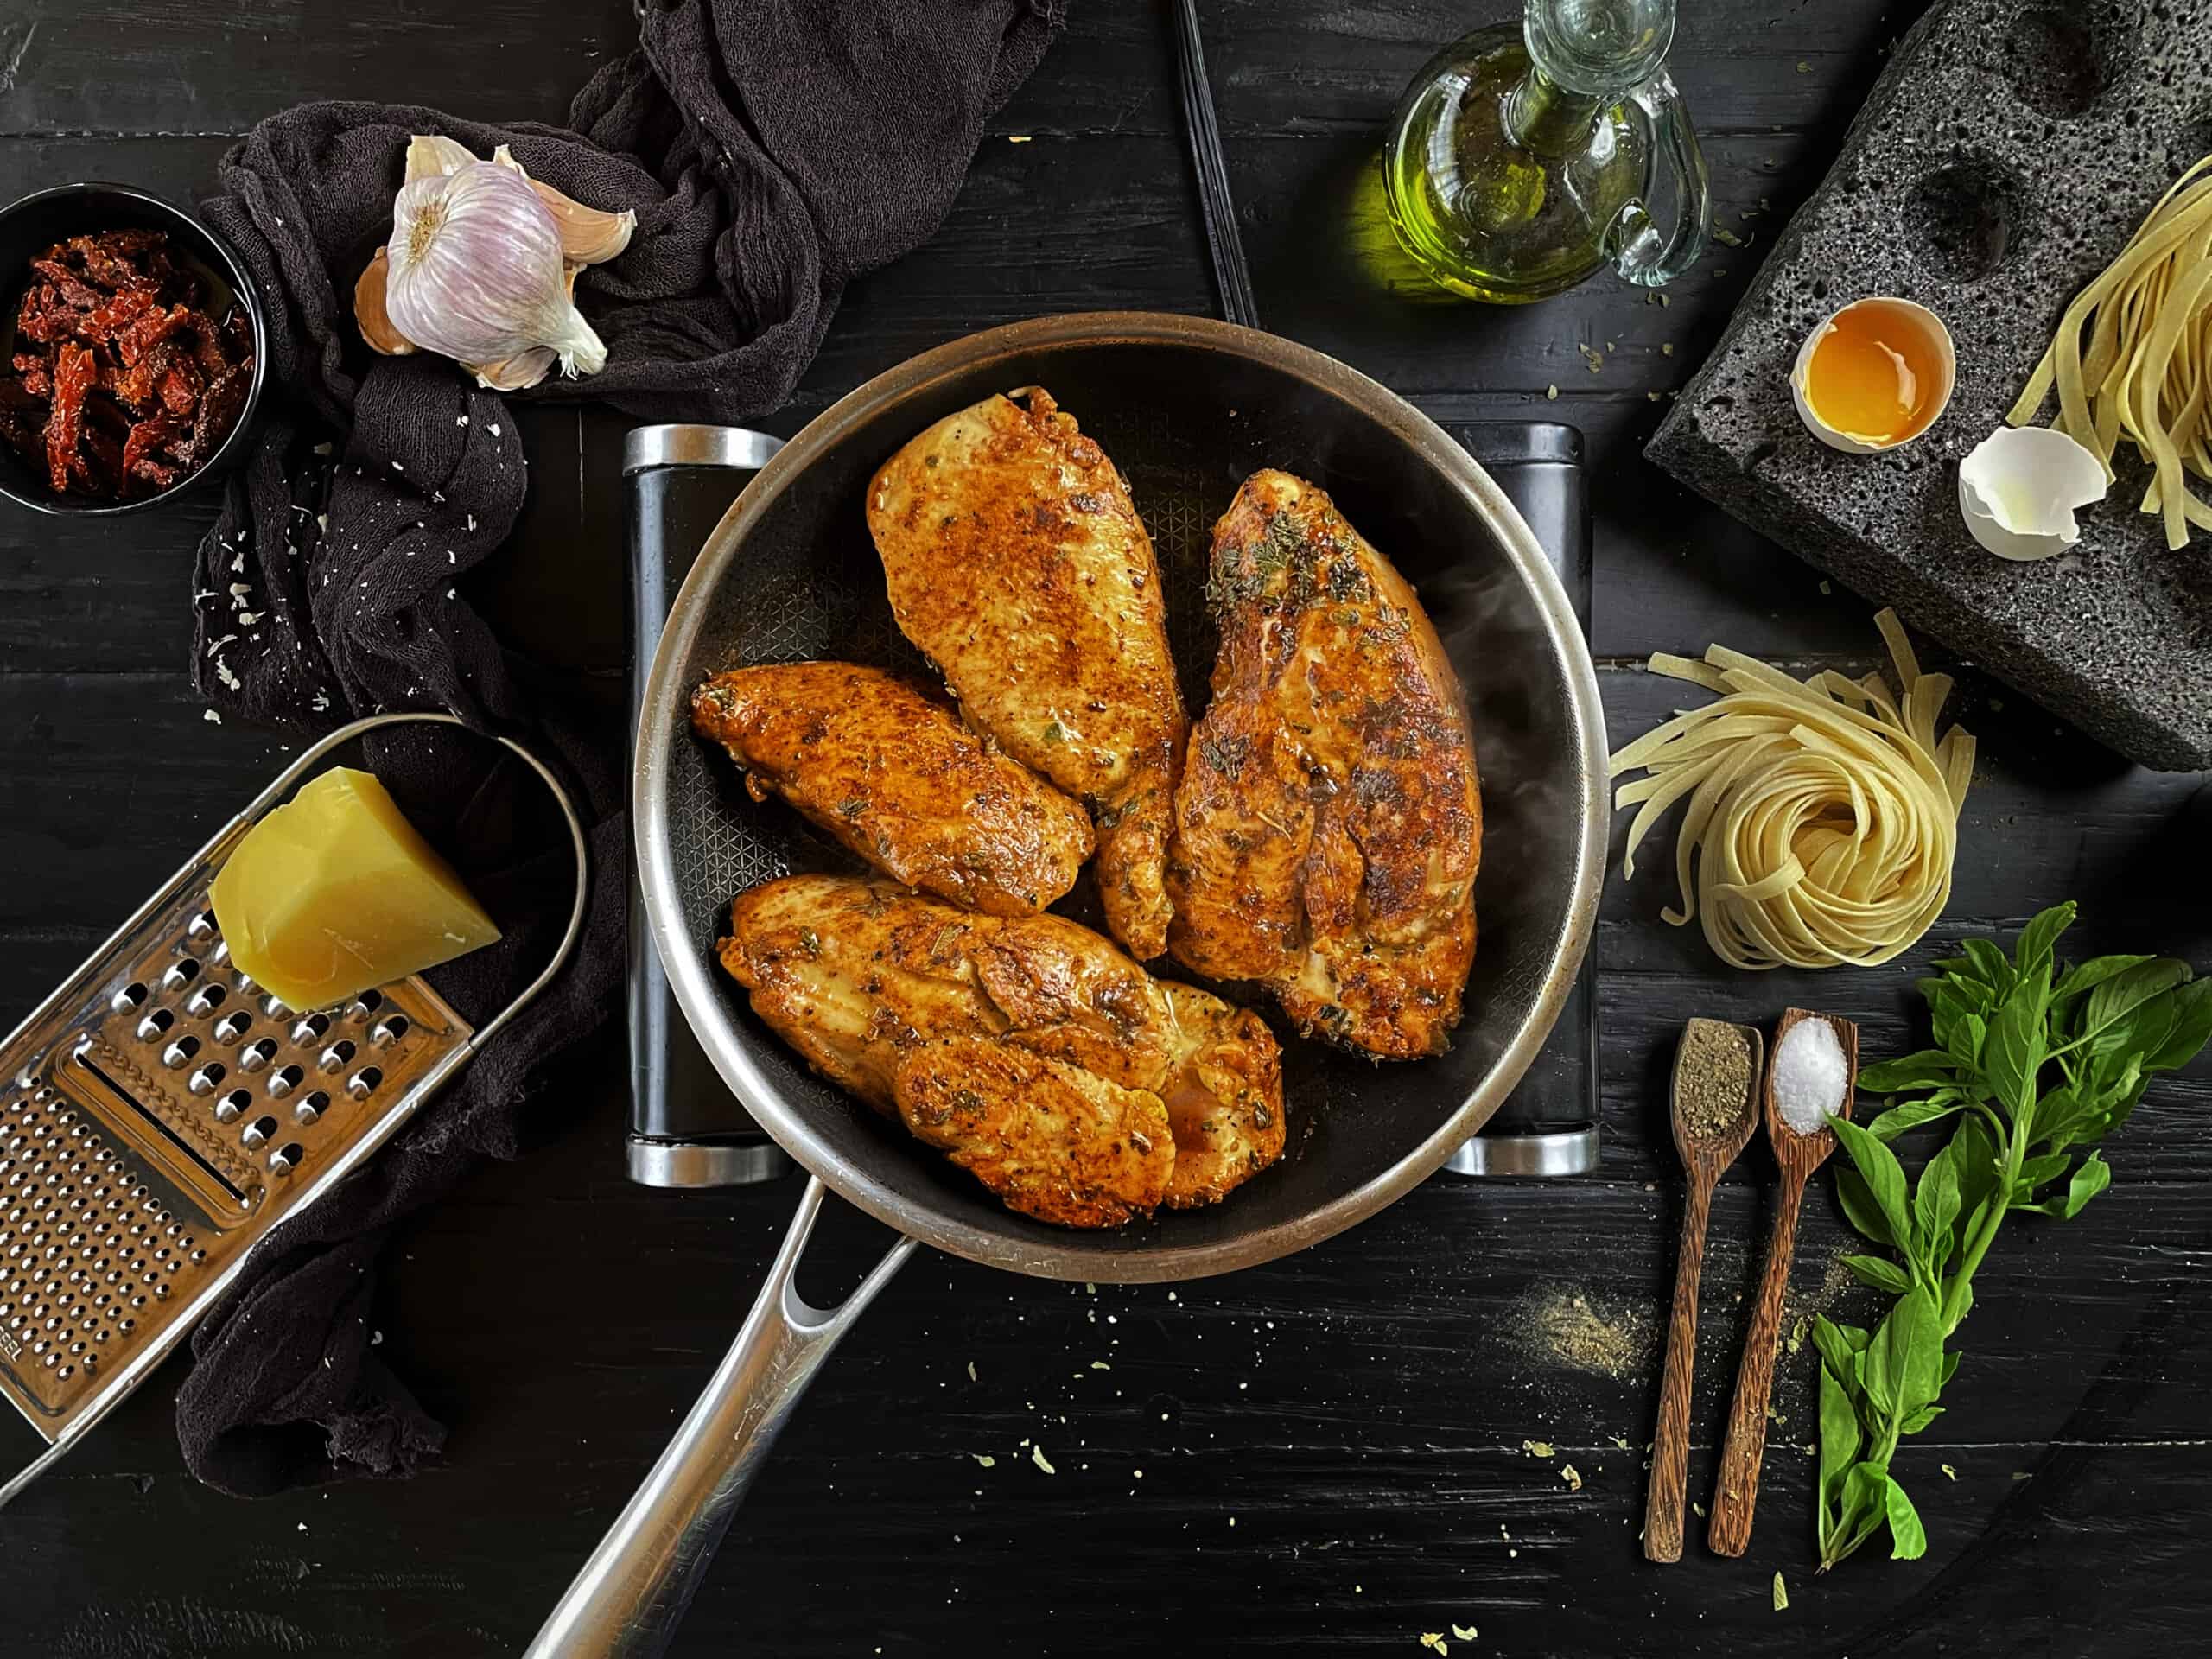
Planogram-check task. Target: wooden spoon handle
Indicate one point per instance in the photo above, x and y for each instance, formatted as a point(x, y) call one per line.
point(1670, 1446)
point(1730, 1533)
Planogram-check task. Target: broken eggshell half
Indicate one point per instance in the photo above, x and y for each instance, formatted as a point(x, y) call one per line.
point(1941, 354)
point(2019, 486)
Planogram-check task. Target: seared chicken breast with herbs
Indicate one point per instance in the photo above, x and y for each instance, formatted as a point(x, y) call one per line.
point(892, 774)
point(1328, 825)
point(1017, 563)
point(1037, 1056)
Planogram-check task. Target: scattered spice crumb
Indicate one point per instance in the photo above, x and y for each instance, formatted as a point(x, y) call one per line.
point(1827, 587)
point(1781, 1595)
point(1464, 1632)
point(986, 1459)
point(1803, 69)
point(1036, 1457)
point(1722, 233)
point(1593, 357)
point(1949, 1473)
point(1018, 138)
point(2022, 1474)
point(1664, 302)
point(1551, 394)
point(1433, 1640)
point(1100, 1366)
point(1572, 1476)
point(210, 716)
point(1666, 348)
point(1567, 1325)
point(971, 1370)
point(1698, 1510)
point(1539, 1448)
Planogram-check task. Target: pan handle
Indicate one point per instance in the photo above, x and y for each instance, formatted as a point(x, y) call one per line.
point(634, 1590)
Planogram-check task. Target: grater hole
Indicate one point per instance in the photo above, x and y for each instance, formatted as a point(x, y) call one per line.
point(365, 1005)
point(257, 1133)
point(132, 995)
point(233, 1026)
point(206, 1079)
point(178, 1054)
point(311, 1029)
point(246, 983)
point(286, 1158)
point(387, 1032)
point(182, 973)
point(221, 954)
point(205, 1000)
point(274, 1007)
point(336, 1056)
point(155, 1024)
point(285, 1081)
point(311, 1108)
point(364, 1082)
point(256, 1055)
point(201, 926)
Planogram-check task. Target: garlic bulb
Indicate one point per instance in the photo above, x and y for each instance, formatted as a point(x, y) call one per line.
point(475, 271)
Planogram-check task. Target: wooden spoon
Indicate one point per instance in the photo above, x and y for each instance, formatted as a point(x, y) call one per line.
point(1798, 1155)
point(1706, 1154)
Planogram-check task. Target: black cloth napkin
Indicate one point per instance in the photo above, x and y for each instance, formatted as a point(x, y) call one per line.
point(771, 151)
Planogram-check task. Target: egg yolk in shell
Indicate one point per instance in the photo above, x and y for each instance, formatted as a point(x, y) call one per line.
point(1876, 373)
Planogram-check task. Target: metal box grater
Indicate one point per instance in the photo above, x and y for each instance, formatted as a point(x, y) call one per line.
point(163, 1114)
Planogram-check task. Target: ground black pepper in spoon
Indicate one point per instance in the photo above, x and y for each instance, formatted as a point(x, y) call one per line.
point(1717, 1069)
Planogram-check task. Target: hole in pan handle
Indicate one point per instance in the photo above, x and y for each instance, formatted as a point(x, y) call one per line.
point(632, 1594)
point(149, 1355)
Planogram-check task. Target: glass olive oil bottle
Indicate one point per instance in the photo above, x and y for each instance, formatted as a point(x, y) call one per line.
point(1521, 160)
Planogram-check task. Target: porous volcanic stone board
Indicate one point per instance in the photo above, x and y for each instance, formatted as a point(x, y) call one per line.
point(2002, 161)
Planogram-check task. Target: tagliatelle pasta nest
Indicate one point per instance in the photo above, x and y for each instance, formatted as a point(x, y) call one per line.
point(1823, 814)
point(2147, 372)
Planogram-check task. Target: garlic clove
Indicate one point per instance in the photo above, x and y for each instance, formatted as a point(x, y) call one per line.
point(589, 237)
point(2019, 486)
point(369, 314)
point(429, 156)
point(516, 373)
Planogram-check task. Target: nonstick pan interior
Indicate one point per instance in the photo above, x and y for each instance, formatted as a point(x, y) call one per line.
point(1187, 408)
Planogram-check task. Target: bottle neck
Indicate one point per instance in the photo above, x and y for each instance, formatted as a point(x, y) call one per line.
point(1545, 118)
point(1598, 48)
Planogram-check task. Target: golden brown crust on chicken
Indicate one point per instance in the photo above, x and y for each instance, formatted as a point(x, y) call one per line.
point(861, 976)
point(1051, 1140)
point(893, 775)
point(1016, 561)
point(1329, 822)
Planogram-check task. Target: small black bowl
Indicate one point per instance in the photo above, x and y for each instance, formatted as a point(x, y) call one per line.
point(29, 227)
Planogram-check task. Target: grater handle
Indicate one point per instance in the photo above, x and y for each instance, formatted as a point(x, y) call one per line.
point(632, 1594)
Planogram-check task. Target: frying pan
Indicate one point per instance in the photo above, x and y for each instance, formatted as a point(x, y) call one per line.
point(1187, 408)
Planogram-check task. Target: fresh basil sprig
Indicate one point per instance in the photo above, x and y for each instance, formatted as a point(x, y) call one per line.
point(2035, 1061)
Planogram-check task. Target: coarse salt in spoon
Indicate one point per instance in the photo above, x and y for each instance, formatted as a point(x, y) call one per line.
point(1815, 1070)
point(1714, 1111)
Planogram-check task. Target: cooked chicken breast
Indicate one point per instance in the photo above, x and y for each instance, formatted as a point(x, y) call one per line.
point(1017, 563)
point(872, 984)
point(894, 776)
point(1328, 824)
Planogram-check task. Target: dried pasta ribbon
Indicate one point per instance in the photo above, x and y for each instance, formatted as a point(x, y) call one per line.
point(1822, 816)
point(2146, 374)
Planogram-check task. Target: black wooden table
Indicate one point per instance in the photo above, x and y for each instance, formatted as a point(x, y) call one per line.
point(1325, 1455)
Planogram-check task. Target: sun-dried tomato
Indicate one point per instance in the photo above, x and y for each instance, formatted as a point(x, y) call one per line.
point(73, 375)
point(111, 317)
point(121, 384)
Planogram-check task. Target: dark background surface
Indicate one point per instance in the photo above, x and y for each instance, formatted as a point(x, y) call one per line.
point(1325, 1455)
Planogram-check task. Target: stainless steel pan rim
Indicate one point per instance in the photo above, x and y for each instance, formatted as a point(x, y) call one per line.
point(691, 974)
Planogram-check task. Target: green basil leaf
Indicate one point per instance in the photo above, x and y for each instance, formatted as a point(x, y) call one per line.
point(2062, 1111)
point(1946, 1372)
point(2039, 941)
point(1908, 1539)
point(1880, 1273)
point(1965, 1041)
point(1859, 1208)
point(1930, 1068)
point(1990, 965)
point(1935, 1207)
point(2192, 1029)
point(1920, 1420)
point(1916, 1351)
point(1840, 1436)
point(2013, 1054)
point(1911, 1114)
point(2034, 1172)
point(2085, 976)
point(1838, 1343)
point(1885, 1178)
point(1863, 1506)
point(2091, 1179)
point(2120, 996)
point(1973, 1155)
